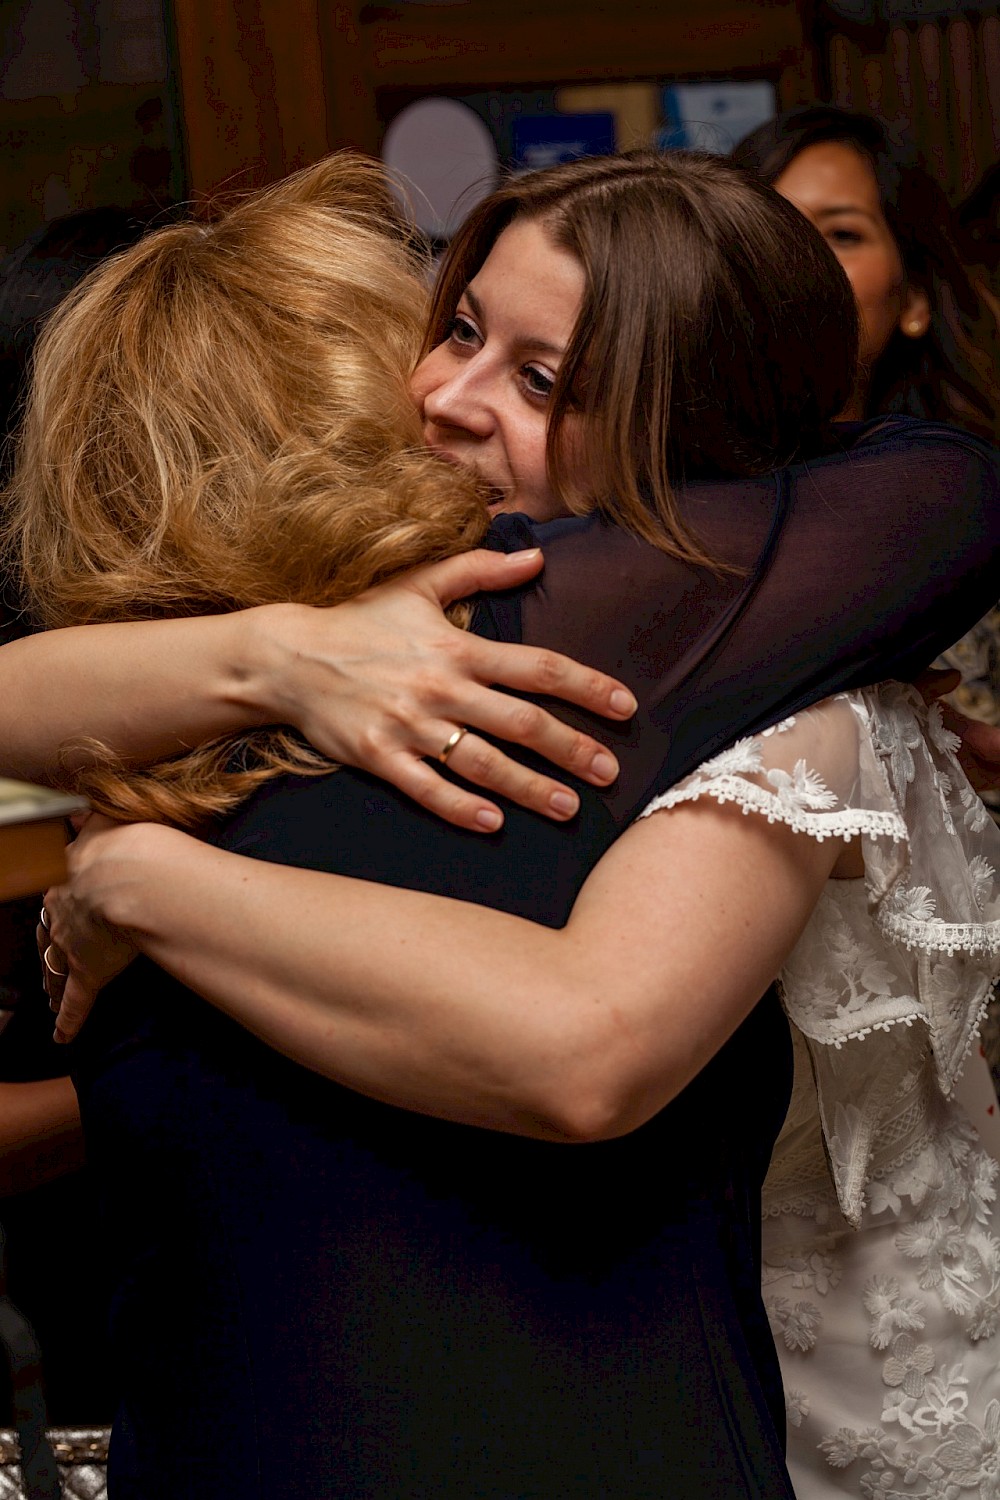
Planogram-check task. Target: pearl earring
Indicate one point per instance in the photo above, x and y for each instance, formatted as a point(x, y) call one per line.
point(914, 326)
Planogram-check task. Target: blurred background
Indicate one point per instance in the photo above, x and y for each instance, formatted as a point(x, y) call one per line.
point(146, 103)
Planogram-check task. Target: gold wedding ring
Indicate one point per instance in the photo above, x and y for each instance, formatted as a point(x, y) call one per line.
point(453, 740)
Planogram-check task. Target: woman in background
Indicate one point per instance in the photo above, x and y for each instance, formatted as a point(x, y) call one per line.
point(930, 343)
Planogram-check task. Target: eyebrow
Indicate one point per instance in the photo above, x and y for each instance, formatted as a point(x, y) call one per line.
point(843, 208)
point(542, 345)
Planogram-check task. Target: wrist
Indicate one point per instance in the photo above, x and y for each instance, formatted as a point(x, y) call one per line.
point(133, 865)
point(267, 643)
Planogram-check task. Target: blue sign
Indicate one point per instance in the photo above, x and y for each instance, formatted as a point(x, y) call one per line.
point(545, 140)
point(714, 116)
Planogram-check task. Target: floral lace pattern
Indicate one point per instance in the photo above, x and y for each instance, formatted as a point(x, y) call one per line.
point(882, 1232)
point(899, 966)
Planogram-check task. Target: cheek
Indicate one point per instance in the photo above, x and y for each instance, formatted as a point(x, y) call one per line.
point(573, 455)
point(527, 452)
point(877, 279)
point(429, 374)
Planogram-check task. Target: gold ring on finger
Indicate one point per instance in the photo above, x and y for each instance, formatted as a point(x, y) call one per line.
point(43, 917)
point(57, 973)
point(452, 741)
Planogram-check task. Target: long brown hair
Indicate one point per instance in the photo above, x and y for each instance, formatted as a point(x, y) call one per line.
point(717, 334)
point(219, 418)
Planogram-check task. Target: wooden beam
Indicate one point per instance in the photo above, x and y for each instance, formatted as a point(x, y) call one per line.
point(252, 89)
point(352, 119)
point(267, 85)
point(480, 43)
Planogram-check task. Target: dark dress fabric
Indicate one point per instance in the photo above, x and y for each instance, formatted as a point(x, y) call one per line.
point(323, 1295)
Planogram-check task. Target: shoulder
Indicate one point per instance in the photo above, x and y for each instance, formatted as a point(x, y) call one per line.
point(903, 448)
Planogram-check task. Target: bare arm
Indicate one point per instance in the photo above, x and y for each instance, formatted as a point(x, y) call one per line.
point(380, 682)
point(462, 1011)
point(40, 1136)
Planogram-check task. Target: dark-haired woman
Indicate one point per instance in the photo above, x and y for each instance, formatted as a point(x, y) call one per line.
point(930, 342)
point(402, 1278)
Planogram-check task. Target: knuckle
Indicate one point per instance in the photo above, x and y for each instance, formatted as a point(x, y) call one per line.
point(550, 671)
point(458, 651)
point(448, 802)
point(371, 744)
point(527, 720)
point(580, 752)
point(480, 761)
point(527, 787)
point(597, 689)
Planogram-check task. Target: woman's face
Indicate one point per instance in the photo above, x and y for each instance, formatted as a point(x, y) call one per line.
point(484, 393)
point(835, 187)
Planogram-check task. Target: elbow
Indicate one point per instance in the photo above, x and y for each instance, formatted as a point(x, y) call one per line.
point(600, 1101)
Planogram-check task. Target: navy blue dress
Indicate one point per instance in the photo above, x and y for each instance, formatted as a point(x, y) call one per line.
point(322, 1295)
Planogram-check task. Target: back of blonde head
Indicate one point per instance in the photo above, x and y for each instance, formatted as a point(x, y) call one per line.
point(219, 418)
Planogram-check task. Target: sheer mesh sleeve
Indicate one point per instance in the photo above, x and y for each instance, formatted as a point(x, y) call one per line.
point(856, 567)
point(898, 966)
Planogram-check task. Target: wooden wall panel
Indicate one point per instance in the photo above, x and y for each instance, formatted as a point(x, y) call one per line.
point(252, 89)
point(269, 84)
point(940, 77)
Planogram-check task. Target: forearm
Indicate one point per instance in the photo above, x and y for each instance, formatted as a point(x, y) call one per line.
point(288, 954)
point(381, 682)
point(145, 689)
point(40, 1136)
point(466, 1012)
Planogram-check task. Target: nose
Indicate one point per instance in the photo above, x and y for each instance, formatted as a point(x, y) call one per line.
point(458, 398)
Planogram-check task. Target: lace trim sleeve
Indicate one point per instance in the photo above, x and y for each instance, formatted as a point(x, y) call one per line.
point(901, 962)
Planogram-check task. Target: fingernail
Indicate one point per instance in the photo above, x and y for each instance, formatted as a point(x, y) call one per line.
point(604, 767)
point(526, 554)
point(623, 702)
point(59, 1036)
point(564, 803)
point(488, 819)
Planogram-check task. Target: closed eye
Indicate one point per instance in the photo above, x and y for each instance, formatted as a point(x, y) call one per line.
point(845, 236)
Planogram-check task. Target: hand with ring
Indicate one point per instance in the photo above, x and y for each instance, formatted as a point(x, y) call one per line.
point(381, 682)
point(55, 970)
point(79, 948)
point(55, 975)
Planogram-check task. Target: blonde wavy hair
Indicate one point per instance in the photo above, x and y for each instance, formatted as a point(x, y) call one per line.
point(219, 418)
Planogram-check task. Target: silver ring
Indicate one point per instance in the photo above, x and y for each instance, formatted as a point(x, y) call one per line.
point(57, 973)
point(453, 740)
point(43, 917)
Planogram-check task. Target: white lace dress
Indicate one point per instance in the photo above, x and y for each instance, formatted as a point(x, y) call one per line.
point(881, 1241)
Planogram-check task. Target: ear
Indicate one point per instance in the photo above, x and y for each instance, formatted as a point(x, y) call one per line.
point(915, 317)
